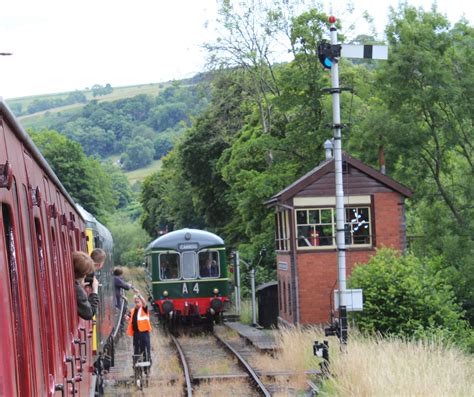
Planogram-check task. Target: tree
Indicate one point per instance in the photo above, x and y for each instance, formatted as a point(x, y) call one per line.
point(168, 115)
point(82, 177)
point(162, 146)
point(138, 153)
point(130, 240)
point(428, 134)
point(99, 90)
point(167, 200)
point(121, 187)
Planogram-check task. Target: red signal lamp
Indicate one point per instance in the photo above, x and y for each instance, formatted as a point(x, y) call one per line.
point(332, 19)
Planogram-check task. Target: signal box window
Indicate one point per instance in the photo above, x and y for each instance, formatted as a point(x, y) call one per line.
point(317, 227)
point(169, 266)
point(282, 234)
point(209, 264)
point(358, 230)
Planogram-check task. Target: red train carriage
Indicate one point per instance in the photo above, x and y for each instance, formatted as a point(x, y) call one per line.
point(46, 349)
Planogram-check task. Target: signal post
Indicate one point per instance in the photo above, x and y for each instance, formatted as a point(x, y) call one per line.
point(329, 53)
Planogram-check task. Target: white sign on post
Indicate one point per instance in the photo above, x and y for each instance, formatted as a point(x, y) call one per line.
point(351, 298)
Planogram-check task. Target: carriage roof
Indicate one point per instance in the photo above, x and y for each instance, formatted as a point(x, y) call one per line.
point(178, 239)
point(97, 227)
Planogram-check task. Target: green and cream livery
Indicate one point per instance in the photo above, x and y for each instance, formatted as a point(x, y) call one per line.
point(189, 275)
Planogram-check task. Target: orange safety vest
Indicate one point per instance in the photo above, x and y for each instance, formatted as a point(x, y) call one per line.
point(143, 321)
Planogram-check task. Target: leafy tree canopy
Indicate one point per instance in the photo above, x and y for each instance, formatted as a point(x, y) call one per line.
point(83, 177)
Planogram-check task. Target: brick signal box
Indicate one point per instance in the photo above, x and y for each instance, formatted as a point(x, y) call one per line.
point(305, 230)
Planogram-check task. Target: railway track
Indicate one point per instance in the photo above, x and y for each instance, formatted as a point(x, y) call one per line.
point(232, 365)
point(219, 363)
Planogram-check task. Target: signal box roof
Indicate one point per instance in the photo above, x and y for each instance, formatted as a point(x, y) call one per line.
point(307, 183)
point(184, 239)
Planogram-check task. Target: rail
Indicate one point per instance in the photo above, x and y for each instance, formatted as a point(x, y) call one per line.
point(184, 364)
point(259, 384)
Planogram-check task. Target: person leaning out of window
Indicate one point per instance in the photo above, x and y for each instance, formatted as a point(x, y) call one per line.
point(86, 304)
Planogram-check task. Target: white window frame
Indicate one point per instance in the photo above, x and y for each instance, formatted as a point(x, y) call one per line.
point(349, 225)
point(282, 230)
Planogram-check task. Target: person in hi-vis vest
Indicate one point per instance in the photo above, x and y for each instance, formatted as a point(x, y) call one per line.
point(139, 326)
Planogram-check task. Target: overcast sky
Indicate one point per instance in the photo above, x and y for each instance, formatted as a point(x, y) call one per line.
point(64, 45)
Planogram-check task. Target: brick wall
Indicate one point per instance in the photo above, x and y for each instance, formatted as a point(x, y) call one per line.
point(389, 220)
point(318, 278)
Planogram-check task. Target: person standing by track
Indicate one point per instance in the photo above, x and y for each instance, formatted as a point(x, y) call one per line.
point(120, 285)
point(139, 326)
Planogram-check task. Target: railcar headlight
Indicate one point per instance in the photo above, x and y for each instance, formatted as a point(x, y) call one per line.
point(165, 293)
point(215, 291)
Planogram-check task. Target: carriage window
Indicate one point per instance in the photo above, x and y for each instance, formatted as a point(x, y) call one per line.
point(209, 264)
point(169, 266)
point(189, 267)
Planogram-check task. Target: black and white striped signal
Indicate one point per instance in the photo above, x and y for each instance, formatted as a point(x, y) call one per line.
point(329, 53)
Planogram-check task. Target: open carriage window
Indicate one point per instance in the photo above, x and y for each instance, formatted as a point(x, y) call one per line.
point(209, 264)
point(169, 266)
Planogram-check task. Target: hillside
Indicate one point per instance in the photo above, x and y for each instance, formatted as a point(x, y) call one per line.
point(134, 125)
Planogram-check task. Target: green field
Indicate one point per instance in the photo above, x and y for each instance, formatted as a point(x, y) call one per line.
point(140, 174)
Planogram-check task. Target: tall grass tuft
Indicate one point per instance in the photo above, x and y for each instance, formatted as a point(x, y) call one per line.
point(395, 367)
point(377, 366)
point(296, 347)
point(246, 312)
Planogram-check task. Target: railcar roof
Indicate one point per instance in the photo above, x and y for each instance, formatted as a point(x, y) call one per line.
point(172, 240)
point(93, 223)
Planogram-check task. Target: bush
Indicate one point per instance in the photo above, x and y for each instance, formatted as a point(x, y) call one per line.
point(406, 296)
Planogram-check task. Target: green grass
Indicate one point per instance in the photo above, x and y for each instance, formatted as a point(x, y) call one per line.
point(38, 121)
point(246, 311)
point(140, 174)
